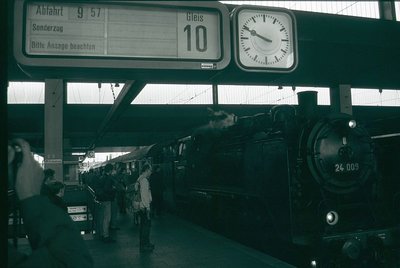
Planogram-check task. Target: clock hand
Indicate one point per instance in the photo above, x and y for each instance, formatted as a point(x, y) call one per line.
point(254, 33)
point(262, 37)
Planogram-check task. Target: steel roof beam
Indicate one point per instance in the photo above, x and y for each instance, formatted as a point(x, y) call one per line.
point(128, 93)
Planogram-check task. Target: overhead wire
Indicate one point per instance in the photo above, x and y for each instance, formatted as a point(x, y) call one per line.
point(196, 95)
point(112, 90)
point(259, 96)
point(347, 7)
point(79, 95)
point(179, 94)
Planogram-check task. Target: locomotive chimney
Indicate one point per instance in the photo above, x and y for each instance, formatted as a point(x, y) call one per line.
point(307, 104)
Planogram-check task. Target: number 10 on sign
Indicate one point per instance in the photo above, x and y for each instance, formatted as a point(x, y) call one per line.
point(198, 35)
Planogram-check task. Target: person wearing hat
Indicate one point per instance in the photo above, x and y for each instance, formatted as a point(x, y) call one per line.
point(56, 193)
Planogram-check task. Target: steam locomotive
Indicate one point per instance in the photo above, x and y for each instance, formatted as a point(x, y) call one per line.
point(300, 182)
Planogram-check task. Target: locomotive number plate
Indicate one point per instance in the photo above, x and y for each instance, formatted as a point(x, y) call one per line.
point(346, 167)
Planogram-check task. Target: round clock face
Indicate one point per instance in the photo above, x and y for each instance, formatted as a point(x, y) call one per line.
point(265, 39)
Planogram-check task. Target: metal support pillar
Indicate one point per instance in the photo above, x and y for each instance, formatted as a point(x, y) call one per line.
point(53, 126)
point(387, 10)
point(340, 97)
point(215, 94)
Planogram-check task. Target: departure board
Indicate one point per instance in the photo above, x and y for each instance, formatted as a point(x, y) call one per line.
point(136, 30)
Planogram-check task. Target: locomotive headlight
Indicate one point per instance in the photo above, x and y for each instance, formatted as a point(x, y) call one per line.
point(332, 217)
point(313, 263)
point(352, 123)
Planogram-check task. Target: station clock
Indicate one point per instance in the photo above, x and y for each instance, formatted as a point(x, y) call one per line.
point(265, 39)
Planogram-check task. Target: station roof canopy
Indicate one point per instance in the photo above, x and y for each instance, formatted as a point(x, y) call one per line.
point(332, 49)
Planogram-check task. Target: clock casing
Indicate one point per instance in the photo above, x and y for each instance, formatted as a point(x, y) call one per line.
point(265, 39)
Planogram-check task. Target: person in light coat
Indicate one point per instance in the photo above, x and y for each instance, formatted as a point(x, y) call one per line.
point(142, 186)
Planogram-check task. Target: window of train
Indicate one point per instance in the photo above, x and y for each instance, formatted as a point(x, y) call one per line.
point(133, 166)
point(181, 94)
point(248, 95)
point(25, 93)
point(367, 9)
point(101, 157)
point(182, 149)
point(92, 93)
point(168, 152)
point(397, 9)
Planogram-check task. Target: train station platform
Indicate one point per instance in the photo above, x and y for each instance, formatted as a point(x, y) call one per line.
point(178, 243)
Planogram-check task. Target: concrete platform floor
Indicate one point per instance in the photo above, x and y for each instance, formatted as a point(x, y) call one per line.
point(178, 243)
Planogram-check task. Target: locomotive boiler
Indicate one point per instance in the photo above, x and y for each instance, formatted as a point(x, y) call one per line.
point(305, 183)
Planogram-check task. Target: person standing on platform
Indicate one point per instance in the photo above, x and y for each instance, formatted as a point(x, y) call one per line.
point(48, 175)
point(120, 185)
point(157, 190)
point(55, 194)
point(53, 237)
point(48, 178)
point(105, 193)
point(142, 186)
point(114, 204)
point(94, 183)
point(90, 176)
